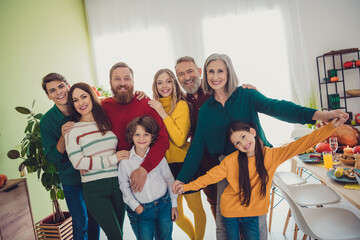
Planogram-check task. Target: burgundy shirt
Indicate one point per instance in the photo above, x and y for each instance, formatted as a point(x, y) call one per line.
point(121, 114)
point(196, 104)
point(207, 162)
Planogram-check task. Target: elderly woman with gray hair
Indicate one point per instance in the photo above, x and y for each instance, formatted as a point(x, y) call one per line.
point(230, 103)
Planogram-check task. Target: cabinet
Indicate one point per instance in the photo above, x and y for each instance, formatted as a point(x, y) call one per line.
point(16, 221)
point(333, 94)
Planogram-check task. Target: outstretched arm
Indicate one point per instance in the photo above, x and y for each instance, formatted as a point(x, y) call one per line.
point(327, 116)
point(284, 153)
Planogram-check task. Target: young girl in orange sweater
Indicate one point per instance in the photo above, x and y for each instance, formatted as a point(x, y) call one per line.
point(250, 171)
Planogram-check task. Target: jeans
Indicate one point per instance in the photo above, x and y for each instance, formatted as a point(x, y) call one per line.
point(80, 221)
point(249, 227)
point(155, 220)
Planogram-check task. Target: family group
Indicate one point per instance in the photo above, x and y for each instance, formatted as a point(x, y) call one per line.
point(131, 154)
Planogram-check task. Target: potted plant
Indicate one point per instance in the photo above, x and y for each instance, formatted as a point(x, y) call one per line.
point(310, 100)
point(31, 151)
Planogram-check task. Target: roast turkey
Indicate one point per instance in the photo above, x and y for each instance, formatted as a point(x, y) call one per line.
point(347, 135)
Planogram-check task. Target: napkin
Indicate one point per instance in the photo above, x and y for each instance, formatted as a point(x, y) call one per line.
point(355, 186)
point(322, 164)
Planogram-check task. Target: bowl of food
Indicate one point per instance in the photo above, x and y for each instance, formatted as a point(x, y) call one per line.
point(348, 158)
point(353, 92)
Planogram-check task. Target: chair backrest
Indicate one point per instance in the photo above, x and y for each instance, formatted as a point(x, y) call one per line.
point(295, 208)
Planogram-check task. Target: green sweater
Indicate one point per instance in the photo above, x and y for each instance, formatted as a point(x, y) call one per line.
point(50, 127)
point(243, 105)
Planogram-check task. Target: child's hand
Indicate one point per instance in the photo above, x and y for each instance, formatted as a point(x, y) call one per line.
point(174, 214)
point(158, 107)
point(123, 154)
point(180, 188)
point(174, 186)
point(139, 209)
point(337, 122)
point(140, 95)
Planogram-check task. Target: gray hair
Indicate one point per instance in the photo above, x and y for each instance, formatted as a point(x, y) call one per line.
point(232, 80)
point(185, 59)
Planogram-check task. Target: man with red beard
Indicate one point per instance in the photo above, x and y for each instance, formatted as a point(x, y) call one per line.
point(121, 109)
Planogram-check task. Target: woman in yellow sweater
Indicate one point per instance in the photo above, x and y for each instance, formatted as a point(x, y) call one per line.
point(250, 171)
point(170, 104)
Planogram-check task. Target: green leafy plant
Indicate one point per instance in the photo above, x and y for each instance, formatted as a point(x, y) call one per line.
point(32, 153)
point(310, 101)
point(104, 91)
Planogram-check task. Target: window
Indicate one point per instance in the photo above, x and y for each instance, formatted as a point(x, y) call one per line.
point(144, 58)
point(256, 45)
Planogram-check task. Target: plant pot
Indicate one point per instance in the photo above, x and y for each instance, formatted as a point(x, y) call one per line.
point(46, 228)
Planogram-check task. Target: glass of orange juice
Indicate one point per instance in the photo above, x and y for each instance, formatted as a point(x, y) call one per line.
point(328, 162)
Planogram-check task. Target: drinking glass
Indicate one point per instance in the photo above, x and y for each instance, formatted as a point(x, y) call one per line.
point(333, 146)
point(328, 163)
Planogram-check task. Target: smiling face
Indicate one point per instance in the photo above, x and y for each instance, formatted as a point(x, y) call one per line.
point(141, 139)
point(216, 73)
point(244, 141)
point(57, 91)
point(164, 85)
point(82, 102)
point(189, 76)
point(122, 85)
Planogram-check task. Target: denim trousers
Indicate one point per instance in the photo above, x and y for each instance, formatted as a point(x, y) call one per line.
point(154, 221)
point(220, 228)
point(84, 225)
point(249, 227)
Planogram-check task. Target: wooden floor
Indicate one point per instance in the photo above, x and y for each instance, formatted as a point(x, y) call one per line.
point(279, 216)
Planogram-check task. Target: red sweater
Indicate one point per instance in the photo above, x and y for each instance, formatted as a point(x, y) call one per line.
point(121, 114)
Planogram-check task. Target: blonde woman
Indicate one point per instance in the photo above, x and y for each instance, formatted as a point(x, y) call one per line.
point(170, 104)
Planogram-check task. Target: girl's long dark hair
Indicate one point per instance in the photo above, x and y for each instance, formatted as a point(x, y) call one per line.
point(244, 178)
point(102, 121)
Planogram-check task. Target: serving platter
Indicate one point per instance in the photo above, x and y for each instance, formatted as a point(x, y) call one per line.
point(331, 175)
point(353, 92)
point(306, 158)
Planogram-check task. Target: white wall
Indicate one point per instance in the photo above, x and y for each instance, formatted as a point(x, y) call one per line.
point(328, 25)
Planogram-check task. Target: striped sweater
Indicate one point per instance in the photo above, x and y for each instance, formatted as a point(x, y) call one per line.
point(88, 149)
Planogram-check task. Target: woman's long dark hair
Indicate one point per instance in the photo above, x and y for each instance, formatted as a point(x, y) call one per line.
point(102, 121)
point(244, 178)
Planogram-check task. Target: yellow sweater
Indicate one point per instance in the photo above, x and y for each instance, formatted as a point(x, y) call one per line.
point(229, 168)
point(178, 127)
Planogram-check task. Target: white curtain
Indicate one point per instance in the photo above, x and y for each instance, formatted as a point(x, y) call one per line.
point(150, 35)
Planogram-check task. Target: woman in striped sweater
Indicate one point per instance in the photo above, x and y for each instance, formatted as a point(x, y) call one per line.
point(91, 147)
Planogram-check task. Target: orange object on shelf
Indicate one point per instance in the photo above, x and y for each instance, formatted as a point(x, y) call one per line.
point(348, 149)
point(334, 79)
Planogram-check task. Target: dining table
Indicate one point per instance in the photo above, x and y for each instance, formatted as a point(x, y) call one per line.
point(352, 195)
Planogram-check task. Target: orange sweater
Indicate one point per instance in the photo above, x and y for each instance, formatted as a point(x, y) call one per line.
point(229, 168)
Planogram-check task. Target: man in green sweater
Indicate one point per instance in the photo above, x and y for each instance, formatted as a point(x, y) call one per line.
point(53, 125)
